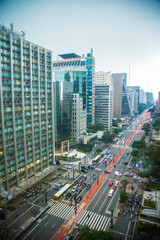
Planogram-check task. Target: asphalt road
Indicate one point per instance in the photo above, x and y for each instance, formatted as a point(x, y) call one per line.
point(98, 212)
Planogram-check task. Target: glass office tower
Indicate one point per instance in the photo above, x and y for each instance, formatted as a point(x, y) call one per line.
point(26, 108)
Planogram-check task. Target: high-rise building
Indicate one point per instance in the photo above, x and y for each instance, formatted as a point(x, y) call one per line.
point(142, 96)
point(103, 78)
point(104, 105)
point(149, 98)
point(80, 71)
point(121, 105)
point(26, 108)
point(133, 100)
point(158, 102)
point(79, 118)
point(137, 89)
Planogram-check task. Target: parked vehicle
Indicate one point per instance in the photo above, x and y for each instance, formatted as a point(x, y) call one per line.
point(107, 171)
point(94, 177)
point(88, 187)
point(110, 183)
point(97, 169)
point(111, 192)
point(79, 198)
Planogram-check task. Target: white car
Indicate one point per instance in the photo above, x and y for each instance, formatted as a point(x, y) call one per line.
point(74, 188)
point(117, 173)
point(136, 177)
point(97, 169)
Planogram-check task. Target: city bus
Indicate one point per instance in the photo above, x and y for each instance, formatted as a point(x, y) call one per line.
point(96, 159)
point(59, 195)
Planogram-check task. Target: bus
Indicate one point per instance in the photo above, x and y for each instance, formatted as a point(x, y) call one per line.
point(96, 159)
point(59, 195)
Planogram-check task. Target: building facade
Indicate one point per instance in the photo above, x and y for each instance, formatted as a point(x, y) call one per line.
point(26, 108)
point(79, 71)
point(121, 106)
point(79, 118)
point(104, 105)
point(149, 98)
point(103, 78)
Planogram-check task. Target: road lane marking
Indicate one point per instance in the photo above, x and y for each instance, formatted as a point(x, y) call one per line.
point(30, 232)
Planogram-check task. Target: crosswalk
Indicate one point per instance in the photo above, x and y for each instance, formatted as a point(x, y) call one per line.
point(94, 220)
point(60, 210)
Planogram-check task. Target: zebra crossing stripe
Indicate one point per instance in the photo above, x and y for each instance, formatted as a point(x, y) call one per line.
point(60, 210)
point(87, 220)
point(83, 216)
point(104, 226)
point(101, 223)
point(94, 223)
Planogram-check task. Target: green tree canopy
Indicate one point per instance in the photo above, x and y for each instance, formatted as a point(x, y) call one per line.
point(95, 128)
point(139, 144)
point(90, 234)
point(117, 130)
point(147, 128)
point(107, 138)
point(152, 160)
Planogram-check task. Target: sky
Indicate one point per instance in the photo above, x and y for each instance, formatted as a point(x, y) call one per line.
point(124, 34)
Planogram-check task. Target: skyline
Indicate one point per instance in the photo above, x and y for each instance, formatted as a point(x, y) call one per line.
point(122, 33)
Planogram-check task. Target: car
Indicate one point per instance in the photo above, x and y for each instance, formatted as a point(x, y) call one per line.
point(73, 197)
point(125, 163)
point(128, 174)
point(75, 182)
point(78, 191)
point(79, 184)
point(78, 199)
point(111, 192)
point(104, 161)
point(68, 195)
point(83, 178)
point(136, 177)
point(69, 237)
point(88, 187)
point(116, 183)
point(117, 173)
point(97, 169)
point(127, 153)
point(84, 170)
point(93, 166)
point(110, 160)
point(74, 188)
point(83, 185)
point(107, 171)
point(110, 183)
point(114, 187)
point(94, 177)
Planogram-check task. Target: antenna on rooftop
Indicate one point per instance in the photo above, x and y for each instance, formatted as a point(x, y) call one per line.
point(11, 26)
point(23, 33)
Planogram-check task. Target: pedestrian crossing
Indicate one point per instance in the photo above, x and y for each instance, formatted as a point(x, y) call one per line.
point(60, 210)
point(94, 220)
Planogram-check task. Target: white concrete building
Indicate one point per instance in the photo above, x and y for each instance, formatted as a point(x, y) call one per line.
point(103, 78)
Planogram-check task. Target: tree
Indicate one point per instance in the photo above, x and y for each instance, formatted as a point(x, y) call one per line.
point(98, 150)
point(90, 234)
point(152, 160)
point(124, 182)
point(147, 128)
point(94, 128)
point(117, 130)
point(107, 138)
point(123, 196)
point(139, 144)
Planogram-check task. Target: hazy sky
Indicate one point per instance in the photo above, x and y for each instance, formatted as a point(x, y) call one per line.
point(121, 32)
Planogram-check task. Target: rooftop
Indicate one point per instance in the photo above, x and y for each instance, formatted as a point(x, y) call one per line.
point(69, 56)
